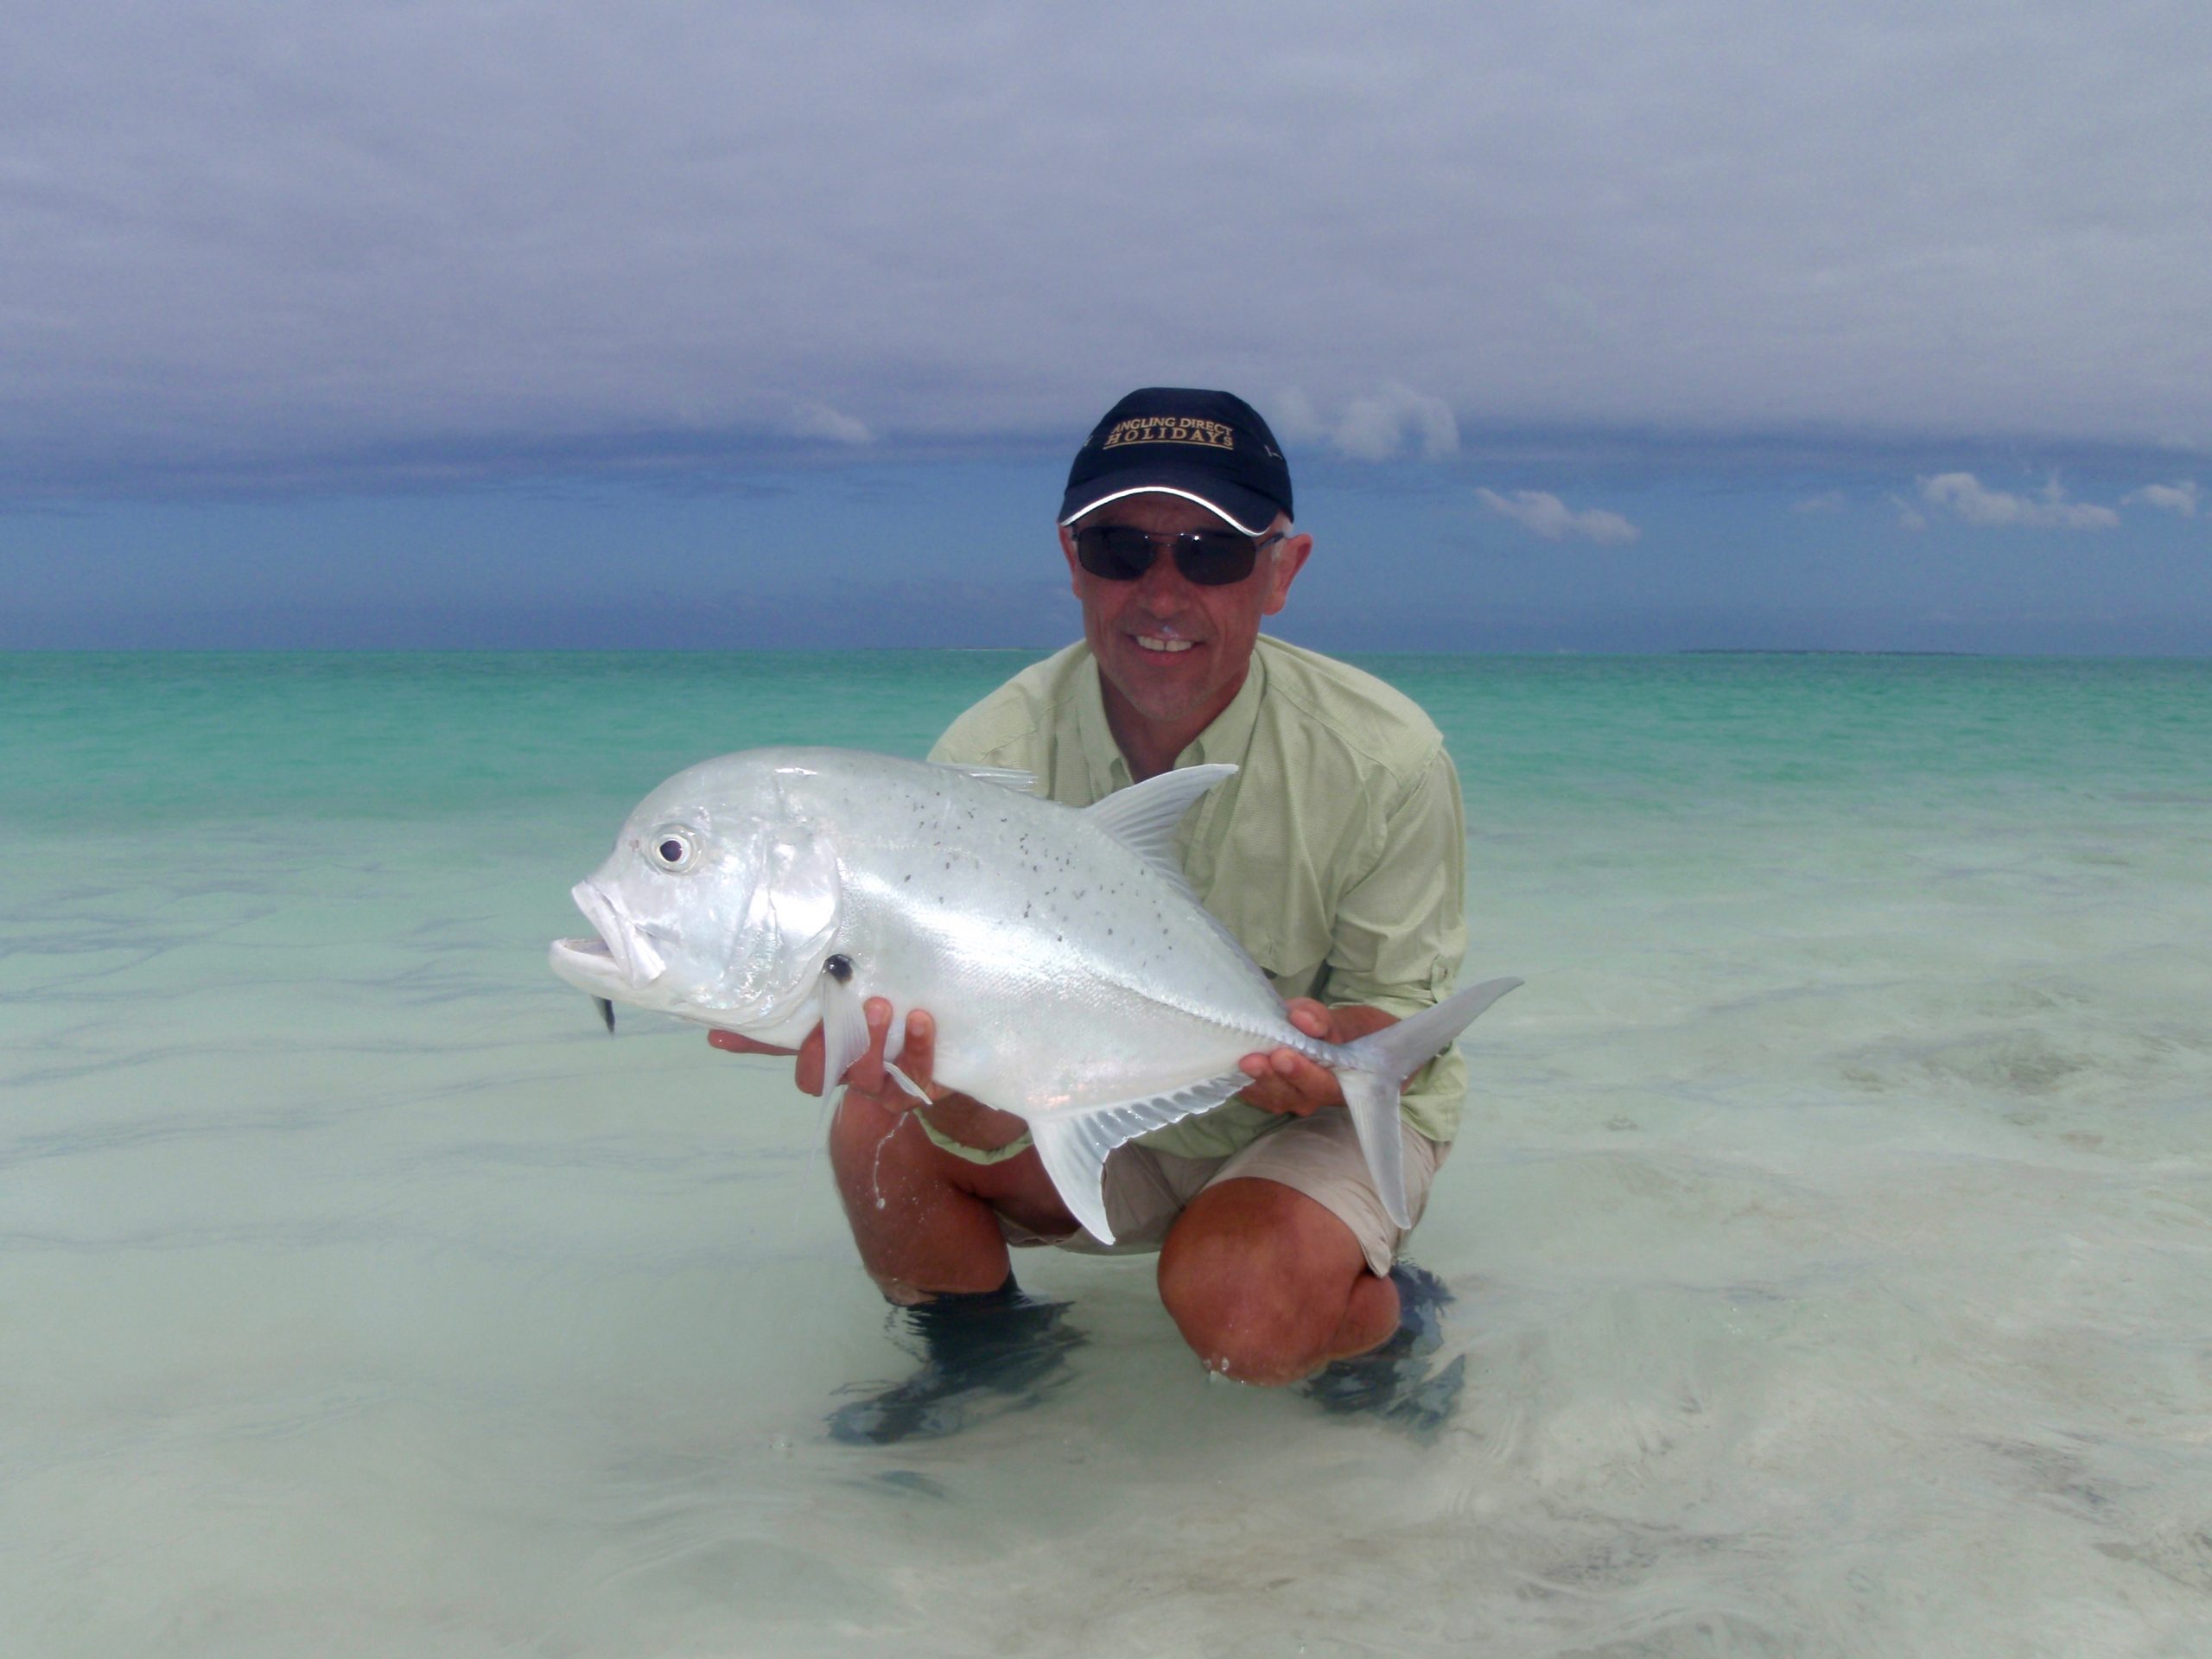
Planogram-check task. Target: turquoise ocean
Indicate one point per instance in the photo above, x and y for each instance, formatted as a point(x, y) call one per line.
point(1831, 1226)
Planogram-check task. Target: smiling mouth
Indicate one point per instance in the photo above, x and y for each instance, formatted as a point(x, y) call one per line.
point(1166, 647)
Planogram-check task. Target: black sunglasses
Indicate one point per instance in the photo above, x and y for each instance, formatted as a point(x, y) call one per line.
point(1211, 558)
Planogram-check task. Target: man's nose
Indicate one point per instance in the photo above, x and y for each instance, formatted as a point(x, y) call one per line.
point(1163, 578)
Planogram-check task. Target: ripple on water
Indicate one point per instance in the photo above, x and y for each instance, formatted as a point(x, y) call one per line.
point(1830, 1231)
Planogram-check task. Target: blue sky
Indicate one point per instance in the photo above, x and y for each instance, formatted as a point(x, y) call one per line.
point(1586, 327)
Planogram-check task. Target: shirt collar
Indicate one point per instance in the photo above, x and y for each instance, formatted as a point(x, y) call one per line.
point(1230, 734)
point(1226, 739)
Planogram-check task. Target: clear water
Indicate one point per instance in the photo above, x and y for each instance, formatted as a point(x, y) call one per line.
point(1832, 1228)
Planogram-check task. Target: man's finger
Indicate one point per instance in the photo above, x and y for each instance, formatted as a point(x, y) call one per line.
point(1311, 1078)
point(1267, 1091)
point(730, 1042)
point(808, 1072)
point(1284, 1081)
point(1275, 1096)
point(919, 1059)
point(864, 1076)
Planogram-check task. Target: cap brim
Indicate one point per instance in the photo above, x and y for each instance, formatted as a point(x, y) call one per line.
point(1248, 510)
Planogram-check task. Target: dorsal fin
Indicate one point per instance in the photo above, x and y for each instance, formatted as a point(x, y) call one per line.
point(1143, 817)
point(1013, 777)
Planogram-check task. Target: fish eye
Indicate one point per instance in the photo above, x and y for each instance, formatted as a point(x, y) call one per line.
point(671, 849)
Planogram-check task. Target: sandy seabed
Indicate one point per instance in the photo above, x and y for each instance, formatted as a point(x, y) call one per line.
point(1832, 1231)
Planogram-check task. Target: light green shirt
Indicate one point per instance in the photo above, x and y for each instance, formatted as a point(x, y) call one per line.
point(1337, 853)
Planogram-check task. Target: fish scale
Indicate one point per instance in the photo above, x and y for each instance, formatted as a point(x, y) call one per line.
point(1075, 980)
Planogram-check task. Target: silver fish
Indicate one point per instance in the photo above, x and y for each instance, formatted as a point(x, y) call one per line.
point(1075, 979)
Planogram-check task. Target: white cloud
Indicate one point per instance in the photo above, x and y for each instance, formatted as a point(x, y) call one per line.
point(1965, 497)
point(815, 420)
point(1827, 501)
point(1550, 518)
point(1908, 517)
point(1374, 426)
point(1292, 418)
point(2181, 497)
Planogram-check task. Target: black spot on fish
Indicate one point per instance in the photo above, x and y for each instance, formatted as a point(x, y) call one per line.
point(839, 968)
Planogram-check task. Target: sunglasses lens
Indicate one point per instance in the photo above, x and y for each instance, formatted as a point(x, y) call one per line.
point(1214, 558)
point(1211, 558)
point(1114, 551)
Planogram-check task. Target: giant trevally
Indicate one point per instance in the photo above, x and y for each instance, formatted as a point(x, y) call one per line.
point(1075, 979)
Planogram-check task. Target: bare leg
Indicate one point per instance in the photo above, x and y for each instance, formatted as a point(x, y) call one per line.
point(924, 1221)
point(928, 1233)
point(1268, 1286)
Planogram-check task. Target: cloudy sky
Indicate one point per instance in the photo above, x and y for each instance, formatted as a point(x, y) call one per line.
point(1587, 326)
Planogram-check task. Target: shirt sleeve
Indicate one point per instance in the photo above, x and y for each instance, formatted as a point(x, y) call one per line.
point(1401, 929)
point(1003, 730)
point(957, 746)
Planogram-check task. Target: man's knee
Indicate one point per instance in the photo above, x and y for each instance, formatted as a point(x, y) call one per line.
point(1259, 1281)
point(880, 1156)
point(1231, 1313)
point(859, 1125)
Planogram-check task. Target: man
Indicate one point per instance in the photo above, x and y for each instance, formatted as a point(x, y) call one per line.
point(1337, 855)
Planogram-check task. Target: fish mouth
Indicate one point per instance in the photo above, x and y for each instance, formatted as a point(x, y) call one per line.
point(616, 962)
point(589, 966)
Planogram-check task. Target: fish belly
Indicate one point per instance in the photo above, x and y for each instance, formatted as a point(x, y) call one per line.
point(1064, 972)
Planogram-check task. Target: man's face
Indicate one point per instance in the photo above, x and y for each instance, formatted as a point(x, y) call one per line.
point(1175, 651)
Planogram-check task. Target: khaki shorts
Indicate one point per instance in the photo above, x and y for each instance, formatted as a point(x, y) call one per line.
point(1320, 1156)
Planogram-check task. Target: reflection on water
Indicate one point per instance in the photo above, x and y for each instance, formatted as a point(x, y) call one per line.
point(1832, 1238)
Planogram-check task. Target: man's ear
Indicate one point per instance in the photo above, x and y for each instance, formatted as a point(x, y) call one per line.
point(1075, 571)
point(1290, 556)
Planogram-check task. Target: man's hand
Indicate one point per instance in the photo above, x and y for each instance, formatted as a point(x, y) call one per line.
point(866, 1075)
point(960, 1115)
point(1287, 1083)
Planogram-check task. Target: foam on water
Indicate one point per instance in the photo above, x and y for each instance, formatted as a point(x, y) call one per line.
point(1832, 1229)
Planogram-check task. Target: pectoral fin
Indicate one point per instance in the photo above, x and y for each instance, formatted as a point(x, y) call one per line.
point(844, 1026)
point(1074, 1146)
point(907, 1082)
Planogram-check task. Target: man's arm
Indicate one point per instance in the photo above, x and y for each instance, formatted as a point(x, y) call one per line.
point(1399, 931)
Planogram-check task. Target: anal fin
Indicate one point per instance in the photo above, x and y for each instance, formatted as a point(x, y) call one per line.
point(1074, 1145)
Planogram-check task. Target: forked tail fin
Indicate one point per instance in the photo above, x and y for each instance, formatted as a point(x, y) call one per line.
point(1372, 1068)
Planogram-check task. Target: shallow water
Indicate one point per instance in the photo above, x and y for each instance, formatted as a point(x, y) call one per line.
point(1832, 1229)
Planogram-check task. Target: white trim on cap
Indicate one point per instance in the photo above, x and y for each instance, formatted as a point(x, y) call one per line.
point(1168, 489)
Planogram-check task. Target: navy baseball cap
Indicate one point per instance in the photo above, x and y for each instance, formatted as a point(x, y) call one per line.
point(1208, 446)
